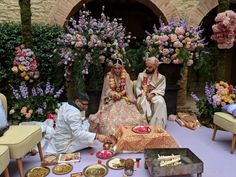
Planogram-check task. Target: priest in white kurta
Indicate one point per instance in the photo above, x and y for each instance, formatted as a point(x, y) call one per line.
point(71, 132)
point(150, 89)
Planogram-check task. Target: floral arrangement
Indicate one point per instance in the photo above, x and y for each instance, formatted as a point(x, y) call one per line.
point(225, 29)
point(216, 96)
point(91, 41)
point(25, 64)
point(33, 104)
point(175, 43)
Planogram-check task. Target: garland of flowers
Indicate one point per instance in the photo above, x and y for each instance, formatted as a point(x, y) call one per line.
point(113, 84)
point(147, 88)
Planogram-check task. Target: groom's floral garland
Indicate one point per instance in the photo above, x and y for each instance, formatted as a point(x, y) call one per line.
point(147, 88)
point(112, 82)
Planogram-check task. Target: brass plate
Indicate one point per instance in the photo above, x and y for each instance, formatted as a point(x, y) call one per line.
point(116, 163)
point(141, 129)
point(37, 171)
point(62, 168)
point(95, 170)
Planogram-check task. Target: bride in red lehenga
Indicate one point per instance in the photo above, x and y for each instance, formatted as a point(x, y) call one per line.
point(118, 103)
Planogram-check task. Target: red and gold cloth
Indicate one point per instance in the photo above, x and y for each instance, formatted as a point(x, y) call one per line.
point(129, 141)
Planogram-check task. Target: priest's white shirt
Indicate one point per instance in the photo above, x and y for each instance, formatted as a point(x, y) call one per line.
point(71, 132)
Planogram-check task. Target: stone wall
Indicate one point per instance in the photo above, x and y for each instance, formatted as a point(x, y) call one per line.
point(56, 11)
point(10, 10)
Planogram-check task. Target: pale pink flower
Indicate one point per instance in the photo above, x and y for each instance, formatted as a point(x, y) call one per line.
point(173, 37)
point(165, 51)
point(163, 38)
point(177, 61)
point(215, 28)
point(189, 62)
point(178, 44)
point(179, 30)
point(220, 17)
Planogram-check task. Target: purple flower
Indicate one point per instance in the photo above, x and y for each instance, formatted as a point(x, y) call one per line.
point(24, 90)
point(59, 92)
point(91, 36)
point(16, 94)
point(48, 88)
point(195, 97)
point(39, 91)
point(39, 111)
point(34, 92)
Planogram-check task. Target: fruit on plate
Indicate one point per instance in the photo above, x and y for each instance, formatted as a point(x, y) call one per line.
point(141, 129)
point(104, 154)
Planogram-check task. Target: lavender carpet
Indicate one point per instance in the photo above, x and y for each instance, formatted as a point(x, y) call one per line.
point(218, 161)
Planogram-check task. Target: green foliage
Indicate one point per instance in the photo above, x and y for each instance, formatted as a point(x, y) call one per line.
point(32, 103)
point(205, 112)
point(135, 56)
point(205, 66)
point(223, 5)
point(44, 45)
point(10, 37)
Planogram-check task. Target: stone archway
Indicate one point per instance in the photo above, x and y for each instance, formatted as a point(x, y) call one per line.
point(61, 11)
point(201, 10)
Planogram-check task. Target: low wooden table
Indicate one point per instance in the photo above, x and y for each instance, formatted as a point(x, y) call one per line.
point(129, 141)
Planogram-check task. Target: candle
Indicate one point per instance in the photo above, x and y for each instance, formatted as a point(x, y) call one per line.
point(106, 146)
point(137, 162)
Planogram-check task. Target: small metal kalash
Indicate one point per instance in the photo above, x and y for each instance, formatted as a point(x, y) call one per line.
point(188, 162)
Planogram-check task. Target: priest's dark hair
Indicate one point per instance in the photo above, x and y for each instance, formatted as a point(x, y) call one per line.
point(81, 96)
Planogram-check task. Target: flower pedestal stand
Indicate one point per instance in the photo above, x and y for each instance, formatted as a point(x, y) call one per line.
point(94, 101)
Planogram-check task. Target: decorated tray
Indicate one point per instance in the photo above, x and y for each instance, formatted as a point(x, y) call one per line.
point(104, 154)
point(62, 168)
point(141, 129)
point(50, 159)
point(38, 171)
point(95, 170)
point(116, 163)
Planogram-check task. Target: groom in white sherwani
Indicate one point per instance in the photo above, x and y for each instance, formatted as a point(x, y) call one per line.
point(150, 89)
